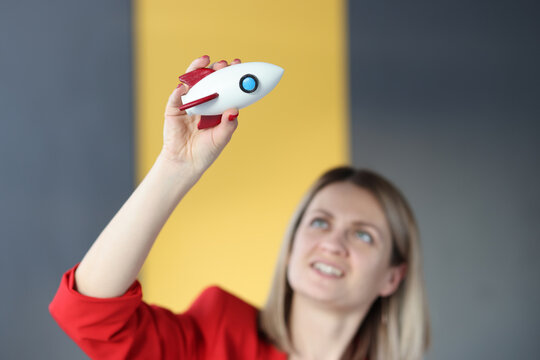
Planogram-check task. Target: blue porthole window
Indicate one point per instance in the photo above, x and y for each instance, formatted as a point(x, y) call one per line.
point(249, 83)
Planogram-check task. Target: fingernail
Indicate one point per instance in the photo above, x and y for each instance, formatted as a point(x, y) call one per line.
point(232, 117)
point(205, 56)
point(181, 87)
point(236, 60)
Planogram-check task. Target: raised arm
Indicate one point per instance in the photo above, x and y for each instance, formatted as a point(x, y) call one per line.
point(112, 263)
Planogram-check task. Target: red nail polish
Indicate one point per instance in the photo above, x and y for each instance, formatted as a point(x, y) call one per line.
point(232, 117)
point(177, 86)
point(236, 60)
point(205, 56)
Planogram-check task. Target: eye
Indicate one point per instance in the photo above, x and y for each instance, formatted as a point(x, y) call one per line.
point(363, 236)
point(319, 223)
point(249, 83)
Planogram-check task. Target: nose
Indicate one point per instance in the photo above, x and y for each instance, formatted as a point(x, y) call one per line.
point(335, 243)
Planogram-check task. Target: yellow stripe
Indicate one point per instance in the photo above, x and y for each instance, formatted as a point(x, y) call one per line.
point(227, 231)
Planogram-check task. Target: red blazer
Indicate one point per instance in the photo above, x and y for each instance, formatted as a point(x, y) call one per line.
point(217, 326)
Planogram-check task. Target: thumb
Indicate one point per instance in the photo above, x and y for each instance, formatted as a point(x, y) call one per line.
point(223, 132)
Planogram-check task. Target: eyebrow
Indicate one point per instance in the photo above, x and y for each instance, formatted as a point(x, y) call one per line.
point(359, 222)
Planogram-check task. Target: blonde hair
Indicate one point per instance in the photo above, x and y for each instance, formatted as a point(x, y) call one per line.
point(396, 326)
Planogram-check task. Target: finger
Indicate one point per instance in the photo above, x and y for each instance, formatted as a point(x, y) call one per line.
point(220, 65)
point(230, 115)
point(198, 63)
point(236, 62)
point(175, 101)
point(223, 132)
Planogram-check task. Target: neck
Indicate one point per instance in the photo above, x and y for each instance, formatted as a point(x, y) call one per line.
point(320, 333)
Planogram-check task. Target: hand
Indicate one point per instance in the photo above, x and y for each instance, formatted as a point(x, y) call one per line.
point(183, 142)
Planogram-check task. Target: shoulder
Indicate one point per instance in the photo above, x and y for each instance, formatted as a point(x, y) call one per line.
point(227, 322)
point(214, 301)
point(227, 326)
point(219, 295)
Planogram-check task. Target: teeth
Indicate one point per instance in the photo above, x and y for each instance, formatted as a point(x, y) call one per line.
point(327, 269)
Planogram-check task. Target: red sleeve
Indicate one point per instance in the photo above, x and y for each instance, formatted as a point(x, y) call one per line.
point(218, 325)
point(122, 327)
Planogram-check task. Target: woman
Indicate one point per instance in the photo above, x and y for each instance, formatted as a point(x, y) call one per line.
point(348, 283)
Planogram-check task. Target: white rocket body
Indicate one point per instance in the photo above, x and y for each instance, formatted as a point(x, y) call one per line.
point(227, 83)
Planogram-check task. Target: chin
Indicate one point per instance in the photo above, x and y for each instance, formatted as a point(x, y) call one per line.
point(320, 293)
point(310, 286)
point(326, 295)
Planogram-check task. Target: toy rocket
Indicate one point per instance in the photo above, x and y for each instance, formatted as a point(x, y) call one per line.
point(236, 86)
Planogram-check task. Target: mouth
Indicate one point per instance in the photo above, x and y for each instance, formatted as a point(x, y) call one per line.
point(327, 270)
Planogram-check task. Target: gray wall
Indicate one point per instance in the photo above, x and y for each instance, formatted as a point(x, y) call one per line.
point(65, 154)
point(445, 102)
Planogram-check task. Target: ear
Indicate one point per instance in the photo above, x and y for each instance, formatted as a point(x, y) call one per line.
point(392, 279)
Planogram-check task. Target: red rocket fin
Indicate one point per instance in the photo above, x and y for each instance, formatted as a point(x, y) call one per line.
point(193, 77)
point(190, 79)
point(208, 121)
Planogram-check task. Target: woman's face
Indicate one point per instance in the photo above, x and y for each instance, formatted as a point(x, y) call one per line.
point(341, 251)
